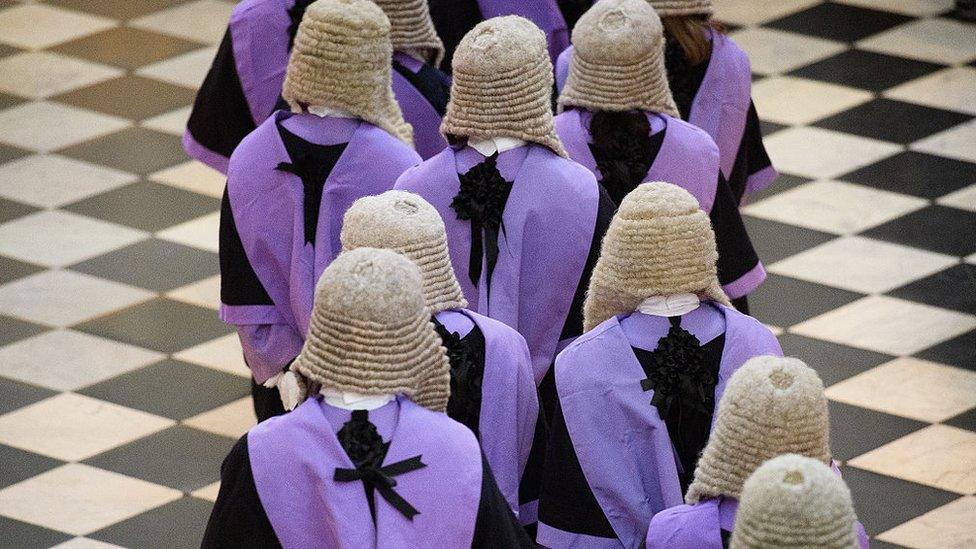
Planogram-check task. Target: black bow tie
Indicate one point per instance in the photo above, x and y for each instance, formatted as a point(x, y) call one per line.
point(381, 479)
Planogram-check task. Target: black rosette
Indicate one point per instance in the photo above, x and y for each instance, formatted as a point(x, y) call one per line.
point(362, 443)
point(481, 200)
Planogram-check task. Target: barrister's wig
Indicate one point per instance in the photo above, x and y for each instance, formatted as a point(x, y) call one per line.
point(668, 8)
point(412, 29)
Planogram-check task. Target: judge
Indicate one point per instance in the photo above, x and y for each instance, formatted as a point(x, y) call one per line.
point(244, 83)
point(771, 406)
point(492, 389)
point(711, 80)
point(369, 461)
point(292, 179)
point(795, 501)
point(621, 122)
point(637, 392)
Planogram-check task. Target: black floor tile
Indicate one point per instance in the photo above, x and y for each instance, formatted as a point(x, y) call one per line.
point(14, 329)
point(768, 128)
point(132, 97)
point(784, 301)
point(11, 269)
point(136, 150)
point(179, 457)
point(917, 174)
point(176, 525)
point(953, 288)
point(883, 502)
point(935, 228)
point(19, 465)
point(20, 535)
point(171, 388)
point(8, 153)
point(839, 22)
point(855, 431)
point(894, 121)
point(862, 69)
point(774, 241)
point(10, 210)
point(965, 420)
point(878, 544)
point(14, 395)
point(146, 206)
point(783, 182)
point(116, 9)
point(959, 351)
point(7, 100)
point(833, 362)
point(126, 47)
point(154, 264)
point(162, 324)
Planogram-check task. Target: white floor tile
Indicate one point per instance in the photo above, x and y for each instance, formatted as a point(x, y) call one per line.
point(230, 420)
point(64, 298)
point(950, 89)
point(958, 142)
point(937, 40)
point(205, 293)
point(49, 180)
point(910, 387)
point(755, 12)
point(223, 353)
point(774, 51)
point(887, 325)
point(85, 543)
point(862, 264)
point(44, 127)
point(193, 176)
point(186, 70)
point(835, 206)
point(203, 21)
point(66, 360)
point(824, 154)
point(74, 427)
point(938, 455)
point(795, 101)
point(946, 527)
point(36, 26)
point(200, 233)
point(80, 499)
point(57, 238)
point(919, 8)
point(964, 199)
point(172, 122)
point(208, 492)
point(41, 74)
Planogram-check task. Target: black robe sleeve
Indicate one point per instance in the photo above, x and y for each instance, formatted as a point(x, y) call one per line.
point(239, 284)
point(238, 519)
point(221, 116)
point(496, 525)
point(567, 502)
point(751, 157)
point(736, 256)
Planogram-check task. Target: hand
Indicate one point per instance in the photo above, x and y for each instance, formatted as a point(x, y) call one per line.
point(293, 389)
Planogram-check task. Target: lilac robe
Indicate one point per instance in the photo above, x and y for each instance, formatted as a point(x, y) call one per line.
point(549, 221)
point(294, 457)
point(690, 159)
point(509, 405)
point(622, 445)
point(265, 206)
point(243, 86)
point(720, 107)
point(703, 526)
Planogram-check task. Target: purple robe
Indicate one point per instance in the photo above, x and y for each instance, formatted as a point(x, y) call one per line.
point(700, 526)
point(688, 156)
point(622, 444)
point(509, 405)
point(294, 457)
point(418, 110)
point(690, 159)
point(721, 104)
point(544, 13)
point(548, 223)
point(267, 208)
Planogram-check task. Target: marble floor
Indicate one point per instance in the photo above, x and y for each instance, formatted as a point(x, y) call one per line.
point(120, 390)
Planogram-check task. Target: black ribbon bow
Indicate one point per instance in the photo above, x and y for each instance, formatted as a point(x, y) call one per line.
point(366, 449)
point(481, 200)
point(467, 374)
point(684, 392)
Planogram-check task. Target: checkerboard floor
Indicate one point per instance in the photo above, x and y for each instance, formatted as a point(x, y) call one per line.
point(120, 390)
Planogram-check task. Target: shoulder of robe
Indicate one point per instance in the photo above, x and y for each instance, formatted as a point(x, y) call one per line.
point(250, 149)
point(419, 175)
point(764, 340)
point(442, 430)
point(252, 10)
point(393, 149)
point(585, 349)
point(736, 64)
point(703, 141)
